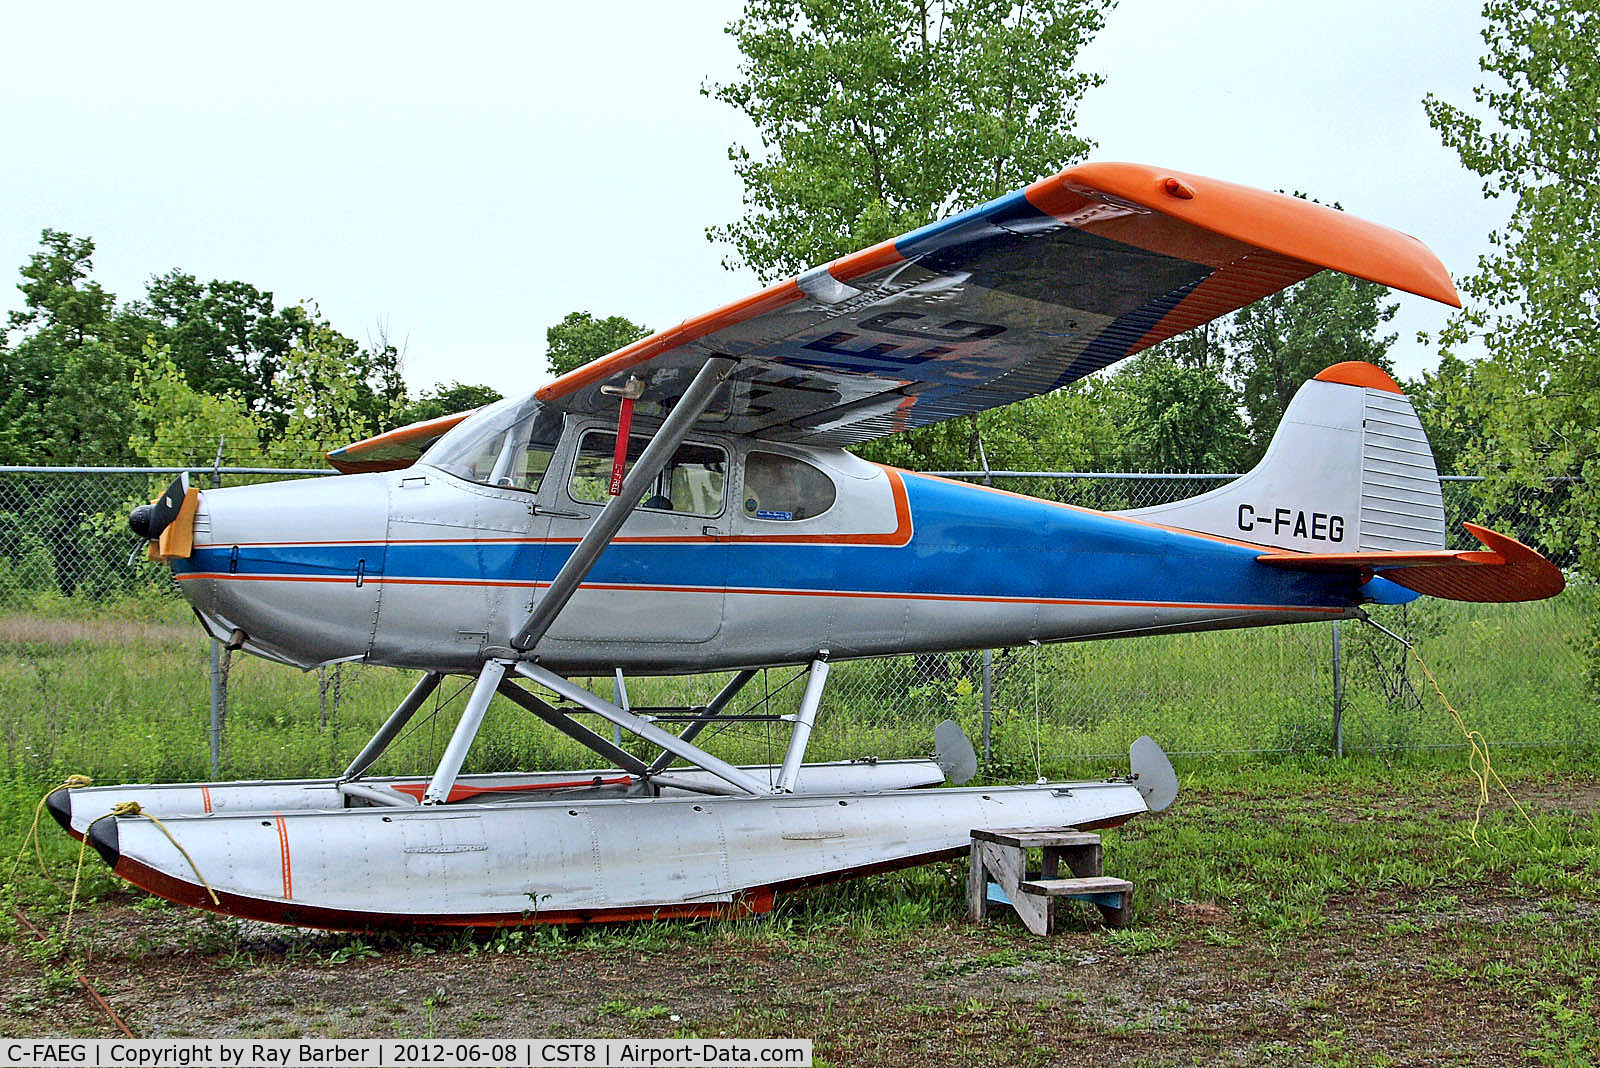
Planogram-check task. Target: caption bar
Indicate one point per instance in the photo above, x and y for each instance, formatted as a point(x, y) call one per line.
point(398, 1053)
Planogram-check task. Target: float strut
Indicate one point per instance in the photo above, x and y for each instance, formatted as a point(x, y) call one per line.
point(455, 753)
point(643, 728)
point(392, 726)
point(804, 720)
point(712, 711)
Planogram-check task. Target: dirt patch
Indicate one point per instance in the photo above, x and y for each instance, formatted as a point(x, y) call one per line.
point(947, 993)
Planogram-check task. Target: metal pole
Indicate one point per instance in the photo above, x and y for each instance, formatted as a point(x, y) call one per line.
point(619, 697)
point(219, 692)
point(988, 702)
point(455, 753)
point(218, 695)
point(804, 720)
point(1338, 695)
point(712, 711)
point(643, 728)
point(655, 456)
point(392, 726)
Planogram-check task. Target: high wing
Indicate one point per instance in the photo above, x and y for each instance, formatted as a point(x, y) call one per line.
point(1009, 300)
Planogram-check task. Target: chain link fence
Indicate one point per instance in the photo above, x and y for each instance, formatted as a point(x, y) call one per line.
point(103, 669)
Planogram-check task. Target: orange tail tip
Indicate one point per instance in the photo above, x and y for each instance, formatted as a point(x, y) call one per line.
point(1504, 570)
point(1357, 373)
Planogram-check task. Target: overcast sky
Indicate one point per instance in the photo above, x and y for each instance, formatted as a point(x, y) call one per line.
point(464, 175)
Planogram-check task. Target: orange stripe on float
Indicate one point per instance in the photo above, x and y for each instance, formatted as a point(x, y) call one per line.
point(283, 853)
point(205, 798)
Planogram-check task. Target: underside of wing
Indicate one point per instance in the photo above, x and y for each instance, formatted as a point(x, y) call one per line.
point(1010, 300)
point(394, 449)
point(1504, 570)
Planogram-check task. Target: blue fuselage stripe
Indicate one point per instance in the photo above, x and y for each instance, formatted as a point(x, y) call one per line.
point(966, 542)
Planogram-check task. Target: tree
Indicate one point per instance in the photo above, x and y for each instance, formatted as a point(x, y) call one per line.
point(65, 386)
point(1176, 417)
point(1445, 403)
point(1535, 298)
point(226, 337)
point(878, 116)
point(580, 338)
point(336, 392)
point(1282, 340)
point(178, 425)
point(442, 400)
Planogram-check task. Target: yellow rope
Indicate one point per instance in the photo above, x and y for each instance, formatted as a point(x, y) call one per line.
point(128, 808)
point(70, 782)
point(1478, 759)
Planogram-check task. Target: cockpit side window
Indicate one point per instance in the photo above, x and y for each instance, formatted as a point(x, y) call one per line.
point(693, 481)
point(784, 489)
point(508, 446)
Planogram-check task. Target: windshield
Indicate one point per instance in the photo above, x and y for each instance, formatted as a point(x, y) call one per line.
point(508, 445)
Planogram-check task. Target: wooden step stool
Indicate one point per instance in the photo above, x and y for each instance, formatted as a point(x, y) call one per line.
point(1003, 855)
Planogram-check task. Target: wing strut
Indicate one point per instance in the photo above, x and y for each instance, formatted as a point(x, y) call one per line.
point(803, 721)
point(666, 441)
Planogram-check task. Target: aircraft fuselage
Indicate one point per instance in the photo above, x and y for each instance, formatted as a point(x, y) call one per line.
point(420, 568)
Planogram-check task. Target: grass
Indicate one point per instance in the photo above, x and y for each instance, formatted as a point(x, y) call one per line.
point(120, 692)
point(1294, 910)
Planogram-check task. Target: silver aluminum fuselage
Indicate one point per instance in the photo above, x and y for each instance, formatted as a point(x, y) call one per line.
point(418, 568)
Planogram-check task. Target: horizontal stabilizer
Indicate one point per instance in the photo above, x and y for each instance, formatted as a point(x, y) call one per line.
point(1504, 570)
point(394, 449)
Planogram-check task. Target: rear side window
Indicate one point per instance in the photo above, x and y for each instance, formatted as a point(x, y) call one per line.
point(783, 489)
point(692, 483)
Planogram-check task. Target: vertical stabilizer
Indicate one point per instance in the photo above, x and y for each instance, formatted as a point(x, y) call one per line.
point(1349, 470)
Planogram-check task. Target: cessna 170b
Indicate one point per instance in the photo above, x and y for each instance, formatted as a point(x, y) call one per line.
point(686, 505)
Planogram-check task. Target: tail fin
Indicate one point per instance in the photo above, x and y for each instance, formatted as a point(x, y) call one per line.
point(1349, 484)
point(1349, 470)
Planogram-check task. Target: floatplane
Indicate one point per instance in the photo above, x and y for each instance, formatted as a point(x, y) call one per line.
point(686, 504)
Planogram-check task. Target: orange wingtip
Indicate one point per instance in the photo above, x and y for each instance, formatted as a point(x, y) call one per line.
point(1289, 226)
point(1357, 373)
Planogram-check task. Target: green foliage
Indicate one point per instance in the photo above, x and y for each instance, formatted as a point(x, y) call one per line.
point(1444, 402)
point(580, 338)
point(1280, 341)
point(334, 393)
point(1535, 299)
point(443, 400)
point(226, 337)
point(1175, 416)
point(65, 388)
point(178, 424)
point(878, 116)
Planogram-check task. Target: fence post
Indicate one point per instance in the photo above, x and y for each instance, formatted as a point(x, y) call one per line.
point(1338, 695)
point(219, 693)
point(988, 701)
